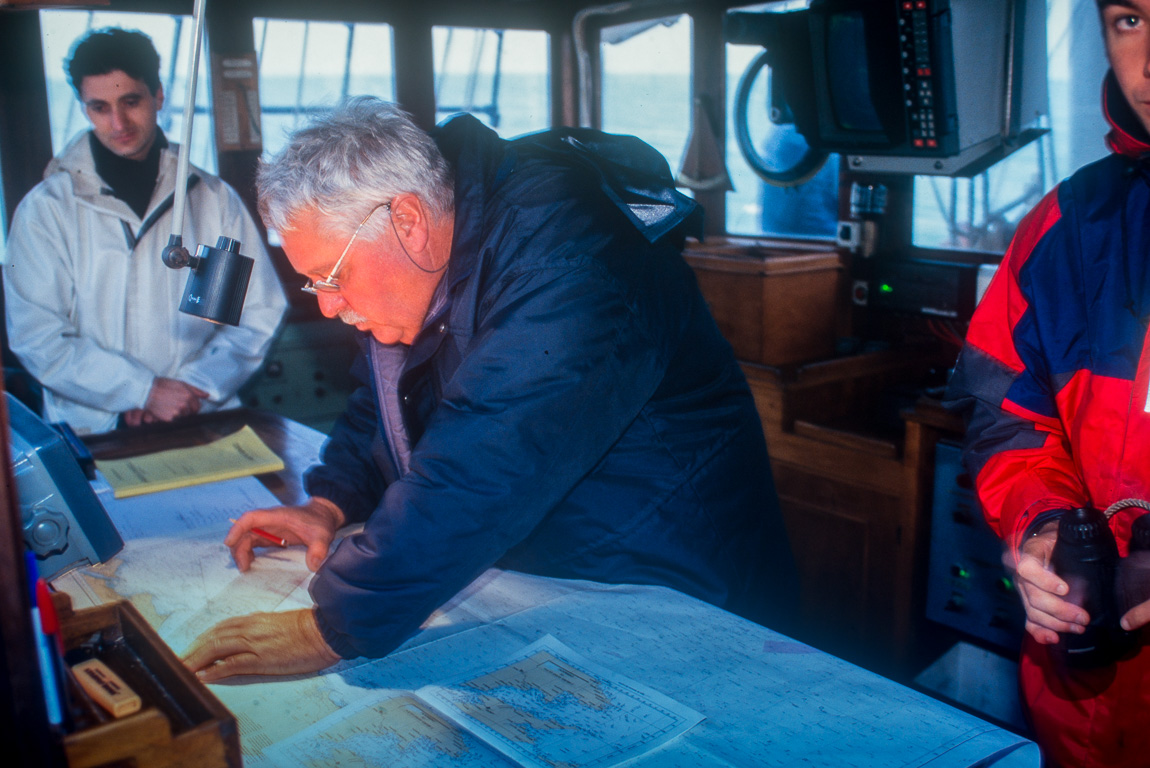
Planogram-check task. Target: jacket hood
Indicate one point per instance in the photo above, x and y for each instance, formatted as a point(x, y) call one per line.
point(76, 160)
point(629, 172)
point(1127, 136)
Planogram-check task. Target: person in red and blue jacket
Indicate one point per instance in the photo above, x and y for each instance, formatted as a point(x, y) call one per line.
point(1053, 381)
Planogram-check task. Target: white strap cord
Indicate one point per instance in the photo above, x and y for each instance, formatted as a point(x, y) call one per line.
point(1124, 504)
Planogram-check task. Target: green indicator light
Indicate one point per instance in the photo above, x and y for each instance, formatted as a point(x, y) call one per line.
point(886, 288)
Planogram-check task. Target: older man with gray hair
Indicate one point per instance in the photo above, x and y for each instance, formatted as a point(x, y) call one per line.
point(544, 387)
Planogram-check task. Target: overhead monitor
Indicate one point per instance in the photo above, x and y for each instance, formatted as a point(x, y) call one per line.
point(944, 87)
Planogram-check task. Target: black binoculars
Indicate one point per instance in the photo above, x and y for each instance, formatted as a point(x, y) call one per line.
point(1086, 557)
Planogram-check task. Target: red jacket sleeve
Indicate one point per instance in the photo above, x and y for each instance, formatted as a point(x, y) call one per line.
point(1019, 456)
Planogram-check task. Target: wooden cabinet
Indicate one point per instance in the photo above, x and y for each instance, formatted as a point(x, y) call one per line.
point(852, 450)
point(855, 500)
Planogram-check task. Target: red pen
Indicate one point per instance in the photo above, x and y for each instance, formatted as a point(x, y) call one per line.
point(49, 621)
point(50, 625)
point(277, 540)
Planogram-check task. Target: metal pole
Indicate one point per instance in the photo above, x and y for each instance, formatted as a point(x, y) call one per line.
point(189, 115)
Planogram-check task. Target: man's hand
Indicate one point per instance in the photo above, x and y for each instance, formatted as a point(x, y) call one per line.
point(286, 643)
point(312, 524)
point(1042, 591)
point(136, 417)
point(170, 399)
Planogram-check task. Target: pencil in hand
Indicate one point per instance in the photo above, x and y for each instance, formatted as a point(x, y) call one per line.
point(277, 540)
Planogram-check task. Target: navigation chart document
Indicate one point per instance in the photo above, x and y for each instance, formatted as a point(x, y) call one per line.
point(239, 454)
point(543, 707)
point(177, 513)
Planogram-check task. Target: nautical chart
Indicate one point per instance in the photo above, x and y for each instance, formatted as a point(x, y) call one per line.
point(549, 707)
point(398, 731)
point(543, 707)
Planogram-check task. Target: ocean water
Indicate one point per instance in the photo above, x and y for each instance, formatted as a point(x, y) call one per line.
point(979, 213)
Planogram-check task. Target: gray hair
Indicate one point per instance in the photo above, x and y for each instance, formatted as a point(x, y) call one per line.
point(347, 161)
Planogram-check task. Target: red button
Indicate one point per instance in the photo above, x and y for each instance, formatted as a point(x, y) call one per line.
point(931, 143)
point(918, 142)
point(921, 5)
point(908, 6)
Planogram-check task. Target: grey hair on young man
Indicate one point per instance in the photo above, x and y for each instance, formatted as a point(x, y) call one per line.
point(349, 160)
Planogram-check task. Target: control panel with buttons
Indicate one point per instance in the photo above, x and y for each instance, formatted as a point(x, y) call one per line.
point(918, 76)
point(968, 587)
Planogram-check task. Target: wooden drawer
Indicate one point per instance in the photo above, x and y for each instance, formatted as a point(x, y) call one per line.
point(180, 723)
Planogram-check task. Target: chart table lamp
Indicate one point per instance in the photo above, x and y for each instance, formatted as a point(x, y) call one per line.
point(219, 278)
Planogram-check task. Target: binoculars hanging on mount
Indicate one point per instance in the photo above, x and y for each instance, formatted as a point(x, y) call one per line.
point(1105, 585)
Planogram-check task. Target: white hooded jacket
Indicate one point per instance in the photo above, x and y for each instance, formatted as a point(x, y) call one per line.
point(92, 311)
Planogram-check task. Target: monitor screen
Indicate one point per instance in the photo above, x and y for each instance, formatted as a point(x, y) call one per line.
point(849, 74)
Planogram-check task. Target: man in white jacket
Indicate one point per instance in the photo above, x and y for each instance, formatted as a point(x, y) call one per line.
point(92, 311)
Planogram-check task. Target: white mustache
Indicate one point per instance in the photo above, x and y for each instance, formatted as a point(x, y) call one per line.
point(350, 317)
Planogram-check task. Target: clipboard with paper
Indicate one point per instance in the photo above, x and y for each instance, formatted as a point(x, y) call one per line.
point(239, 454)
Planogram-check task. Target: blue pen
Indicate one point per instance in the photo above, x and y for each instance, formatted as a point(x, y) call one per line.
point(43, 649)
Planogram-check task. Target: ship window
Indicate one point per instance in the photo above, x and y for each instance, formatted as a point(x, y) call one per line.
point(805, 206)
point(309, 66)
point(500, 76)
point(646, 76)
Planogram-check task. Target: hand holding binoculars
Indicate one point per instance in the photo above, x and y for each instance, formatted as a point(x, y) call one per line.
point(1086, 557)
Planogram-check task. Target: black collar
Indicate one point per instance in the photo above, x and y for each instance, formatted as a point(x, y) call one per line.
point(132, 181)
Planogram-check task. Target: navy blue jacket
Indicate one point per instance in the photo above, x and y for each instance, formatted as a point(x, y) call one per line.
point(573, 410)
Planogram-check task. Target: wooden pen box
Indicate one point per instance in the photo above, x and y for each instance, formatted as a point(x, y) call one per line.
point(180, 722)
point(777, 305)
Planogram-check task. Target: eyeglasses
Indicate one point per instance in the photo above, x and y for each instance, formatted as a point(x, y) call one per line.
point(328, 284)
